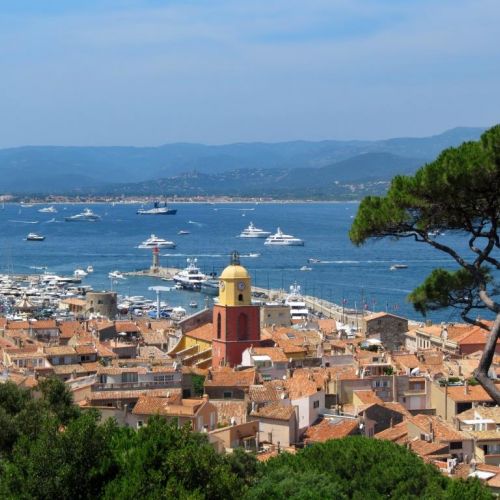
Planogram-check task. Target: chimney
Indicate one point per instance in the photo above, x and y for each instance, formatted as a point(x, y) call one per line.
point(466, 388)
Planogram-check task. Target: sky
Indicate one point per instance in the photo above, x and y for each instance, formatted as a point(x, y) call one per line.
point(150, 72)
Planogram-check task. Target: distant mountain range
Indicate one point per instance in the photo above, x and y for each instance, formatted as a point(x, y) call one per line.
point(299, 169)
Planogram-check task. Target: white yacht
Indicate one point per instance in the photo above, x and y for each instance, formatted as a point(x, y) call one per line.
point(280, 238)
point(254, 232)
point(48, 210)
point(155, 241)
point(86, 216)
point(298, 308)
point(79, 273)
point(191, 277)
point(35, 237)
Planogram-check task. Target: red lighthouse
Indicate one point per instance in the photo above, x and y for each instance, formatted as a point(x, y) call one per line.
point(236, 322)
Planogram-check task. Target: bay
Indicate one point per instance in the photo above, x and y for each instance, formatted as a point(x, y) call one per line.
point(358, 276)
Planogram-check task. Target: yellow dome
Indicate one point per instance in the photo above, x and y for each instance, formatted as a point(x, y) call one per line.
point(234, 272)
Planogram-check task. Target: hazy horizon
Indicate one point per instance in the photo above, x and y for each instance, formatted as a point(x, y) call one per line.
point(154, 72)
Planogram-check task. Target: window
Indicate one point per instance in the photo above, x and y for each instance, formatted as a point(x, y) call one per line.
point(163, 378)
point(130, 377)
point(316, 404)
point(240, 297)
point(219, 326)
point(228, 395)
point(456, 446)
point(140, 423)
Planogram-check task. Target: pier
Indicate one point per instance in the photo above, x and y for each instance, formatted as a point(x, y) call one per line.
point(165, 273)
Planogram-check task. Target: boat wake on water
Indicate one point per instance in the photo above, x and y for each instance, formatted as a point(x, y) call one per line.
point(23, 221)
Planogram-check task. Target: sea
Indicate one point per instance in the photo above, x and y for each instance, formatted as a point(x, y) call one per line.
point(357, 277)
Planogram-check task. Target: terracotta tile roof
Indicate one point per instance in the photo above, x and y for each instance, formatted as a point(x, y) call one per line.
point(473, 393)
point(398, 407)
point(484, 412)
point(275, 411)
point(149, 405)
point(368, 397)
point(397, 434)
point(381, 314)
point(126, 326)
point(424, 448)
point(115, 370)
point(275, 353)
point(62, 350)
point(443, 431)
point(69, 329)
point(22, 380)
point(85, 349)
point(18, 325)
point(228, 409)
point(327, 325)
point(302, 384)
point(492, 435)
point(263, 393)
point(76, 368)
point(329, 429)
point(227, 377)
point(104, 351)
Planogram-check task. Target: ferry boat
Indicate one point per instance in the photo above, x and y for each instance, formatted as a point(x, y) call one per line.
point(158, 209)
point(191, 277)
point(280, 238)
point(254, 232)
point(298, 308)
point(86, 216)
point(155, 241)
point(48, 210)
point(35, 237)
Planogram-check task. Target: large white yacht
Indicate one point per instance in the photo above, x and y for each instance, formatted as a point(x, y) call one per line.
point(155, 241)
point(86, 216)
point(298, 308)
point(254, 232)
point(280, 238)
point(48, 210)
point(191, 277)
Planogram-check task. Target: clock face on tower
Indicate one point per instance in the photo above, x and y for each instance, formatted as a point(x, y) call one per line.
point(241, 285)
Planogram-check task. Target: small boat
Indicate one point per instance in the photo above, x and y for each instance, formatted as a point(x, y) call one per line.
point(86, 216)
point(79, 273)
point(395, 267)
point(282, 239)
point(117, 275)
point(158, 209)
point(183, 231)
point(48, 210)
point(305, 268)
point(35, 237)
point(193, 304)
point(254, 254)
point(90, 269)
point(254, 232)
point(155, 241)
point(313, 261)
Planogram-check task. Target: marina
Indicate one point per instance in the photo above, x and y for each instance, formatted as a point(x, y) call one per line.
point(333, 269)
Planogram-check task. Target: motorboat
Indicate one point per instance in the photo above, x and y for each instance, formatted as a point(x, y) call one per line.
point(280, 238)
point(191, 277)
point(254, 232)
point(48, 210)
point(183, 232)
point(157, 209)
point(155, 241)
point(79, 273)
point(395, 267)
point(86, 216)
point(314, 261)
point(297, 304)
point(35, 237)
point(116, 275)
point(90, 269)
point(306, 268)
point(193, 304)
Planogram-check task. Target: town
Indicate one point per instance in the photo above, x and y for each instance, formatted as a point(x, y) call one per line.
point(269, 379)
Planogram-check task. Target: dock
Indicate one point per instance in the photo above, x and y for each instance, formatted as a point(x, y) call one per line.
point(154, 272)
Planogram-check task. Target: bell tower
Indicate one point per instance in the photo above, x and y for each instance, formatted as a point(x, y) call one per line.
point(236, 322)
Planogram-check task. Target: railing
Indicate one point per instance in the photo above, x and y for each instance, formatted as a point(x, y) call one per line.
point(123, 386)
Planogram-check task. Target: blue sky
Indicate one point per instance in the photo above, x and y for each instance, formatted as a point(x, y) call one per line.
point(130, 72)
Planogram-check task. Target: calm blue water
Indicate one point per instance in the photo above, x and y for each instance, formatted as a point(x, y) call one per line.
point(360, 275)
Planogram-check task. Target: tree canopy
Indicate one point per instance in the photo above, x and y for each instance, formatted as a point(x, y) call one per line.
point(459, 192)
